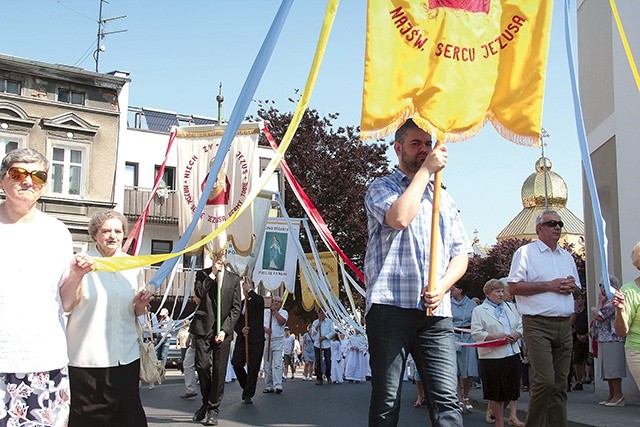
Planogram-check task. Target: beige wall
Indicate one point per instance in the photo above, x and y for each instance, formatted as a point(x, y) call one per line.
point(596, 63)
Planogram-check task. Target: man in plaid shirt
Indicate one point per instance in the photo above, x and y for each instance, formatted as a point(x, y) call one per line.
point(399, 210)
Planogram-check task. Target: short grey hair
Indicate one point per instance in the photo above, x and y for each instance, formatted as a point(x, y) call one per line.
point(543, 213)
point(103, 216)
point(635, 255)
point(613, 280)
point(23, 155)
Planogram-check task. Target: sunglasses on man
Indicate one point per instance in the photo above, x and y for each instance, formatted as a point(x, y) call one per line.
point(553, 223)
point(20, 174)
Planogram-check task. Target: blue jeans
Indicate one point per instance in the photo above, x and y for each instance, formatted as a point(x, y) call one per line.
point(395, 332)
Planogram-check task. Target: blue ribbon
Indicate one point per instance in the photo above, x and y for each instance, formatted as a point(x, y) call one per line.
point(237, 115)
point(586, 160)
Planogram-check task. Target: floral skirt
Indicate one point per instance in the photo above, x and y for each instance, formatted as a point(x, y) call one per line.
point(35, 399)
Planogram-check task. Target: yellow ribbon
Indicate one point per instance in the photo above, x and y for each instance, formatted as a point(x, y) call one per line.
point(625, 44)
point(124, 263)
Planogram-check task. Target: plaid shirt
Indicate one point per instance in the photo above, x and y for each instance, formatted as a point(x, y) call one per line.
point(396, 266)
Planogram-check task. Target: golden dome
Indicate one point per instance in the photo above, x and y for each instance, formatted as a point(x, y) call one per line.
point(523, 226)
point(533, 188)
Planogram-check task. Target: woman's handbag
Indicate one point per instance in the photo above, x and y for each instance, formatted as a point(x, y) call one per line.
point(152, 370)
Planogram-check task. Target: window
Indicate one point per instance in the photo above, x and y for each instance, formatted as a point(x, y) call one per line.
point(66, 170)
point(169, 176)
point(10, 86)
point(6, 146)
point(70, 97)
point(130, 174)
point(275, 181)
point(186, 261)
point(161, 247)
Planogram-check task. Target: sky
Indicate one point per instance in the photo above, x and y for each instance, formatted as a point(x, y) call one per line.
point(178, 52)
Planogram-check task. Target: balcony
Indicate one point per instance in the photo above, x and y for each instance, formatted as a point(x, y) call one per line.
point(162, 210)
point(179, 282)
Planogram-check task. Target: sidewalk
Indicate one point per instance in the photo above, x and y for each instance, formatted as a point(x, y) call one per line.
point(582, 408)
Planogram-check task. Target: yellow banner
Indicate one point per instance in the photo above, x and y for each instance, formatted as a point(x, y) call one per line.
point(330, 266)
point(454, 64)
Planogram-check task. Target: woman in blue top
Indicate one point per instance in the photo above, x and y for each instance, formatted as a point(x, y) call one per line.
point(307, 355)
point(467, 357)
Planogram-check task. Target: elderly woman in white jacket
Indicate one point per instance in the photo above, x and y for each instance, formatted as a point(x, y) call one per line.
point(498, 327)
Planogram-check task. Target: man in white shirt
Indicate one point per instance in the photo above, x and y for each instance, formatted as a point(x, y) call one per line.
point(288, 344)
point(322, 331)
point(275, 319)
point(543, 278)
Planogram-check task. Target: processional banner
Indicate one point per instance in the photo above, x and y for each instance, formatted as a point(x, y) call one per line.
point(330, 267)
point(277, 259)
point(197, 147)
point(454, 64)
point(243, 264)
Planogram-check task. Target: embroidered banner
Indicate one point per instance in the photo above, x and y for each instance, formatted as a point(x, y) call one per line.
point(454, 64)
point(276, 264)
point(197, 147)
point(330, 266)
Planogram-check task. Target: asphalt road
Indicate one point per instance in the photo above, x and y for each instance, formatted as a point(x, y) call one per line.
point(302, 404)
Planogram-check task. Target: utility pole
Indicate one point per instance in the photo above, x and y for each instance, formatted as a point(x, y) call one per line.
point(102, 33)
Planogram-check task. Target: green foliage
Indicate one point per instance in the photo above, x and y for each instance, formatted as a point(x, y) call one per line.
point(497, 264)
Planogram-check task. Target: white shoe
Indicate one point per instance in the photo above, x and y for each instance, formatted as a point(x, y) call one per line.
point(151, 386)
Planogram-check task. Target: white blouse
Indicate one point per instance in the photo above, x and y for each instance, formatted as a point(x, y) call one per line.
point(101, 331)
point(34, 258)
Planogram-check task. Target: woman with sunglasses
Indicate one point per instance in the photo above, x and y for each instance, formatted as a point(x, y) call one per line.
point(38, 279)
point(104, 353)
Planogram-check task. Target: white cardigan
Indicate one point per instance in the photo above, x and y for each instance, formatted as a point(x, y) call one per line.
point(101, 331)
point(484, 322)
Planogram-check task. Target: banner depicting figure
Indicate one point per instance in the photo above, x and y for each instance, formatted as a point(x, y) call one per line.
point(330, 267)
point(454, 64)
point(197, 146)
point(276, 264)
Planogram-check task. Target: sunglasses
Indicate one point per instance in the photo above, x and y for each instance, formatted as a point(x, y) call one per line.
point(20, 174)
point(553, 223)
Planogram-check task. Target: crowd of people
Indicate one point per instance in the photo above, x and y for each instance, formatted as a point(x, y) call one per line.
point(529, 332)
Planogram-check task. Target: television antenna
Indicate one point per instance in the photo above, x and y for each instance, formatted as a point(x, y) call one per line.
point(102, 33)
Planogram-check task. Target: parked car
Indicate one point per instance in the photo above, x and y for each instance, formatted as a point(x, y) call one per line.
point(174, 358)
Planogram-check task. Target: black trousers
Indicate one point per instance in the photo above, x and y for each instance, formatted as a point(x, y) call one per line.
point(326, 358)
point(249, 377)
point(211, 365)
point(105, 397)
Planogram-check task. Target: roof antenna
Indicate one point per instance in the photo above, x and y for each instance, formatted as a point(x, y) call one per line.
point(102, 33)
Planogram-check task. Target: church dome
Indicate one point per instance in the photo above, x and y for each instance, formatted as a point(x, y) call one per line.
point(523, 226)
point(533, 188)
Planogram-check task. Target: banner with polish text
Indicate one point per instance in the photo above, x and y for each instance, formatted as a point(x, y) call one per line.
point(197, 146)
point(277, 259)
point(454, 64)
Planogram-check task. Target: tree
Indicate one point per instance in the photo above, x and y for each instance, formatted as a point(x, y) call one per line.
point(334, 168)
point(497, 264)
point(499, 257)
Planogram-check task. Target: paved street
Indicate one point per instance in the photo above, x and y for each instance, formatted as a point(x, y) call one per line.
point(305, 404)
point(302, 404)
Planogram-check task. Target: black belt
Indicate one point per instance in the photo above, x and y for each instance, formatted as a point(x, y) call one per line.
point(547, 317)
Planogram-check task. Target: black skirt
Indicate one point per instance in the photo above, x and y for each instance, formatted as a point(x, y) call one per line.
point(500, 378)
point(106, 396)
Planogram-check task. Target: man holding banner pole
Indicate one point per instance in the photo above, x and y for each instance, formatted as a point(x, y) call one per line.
point(275, 319)
point(217, 293)
point(399, 208)
point(250, 342)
